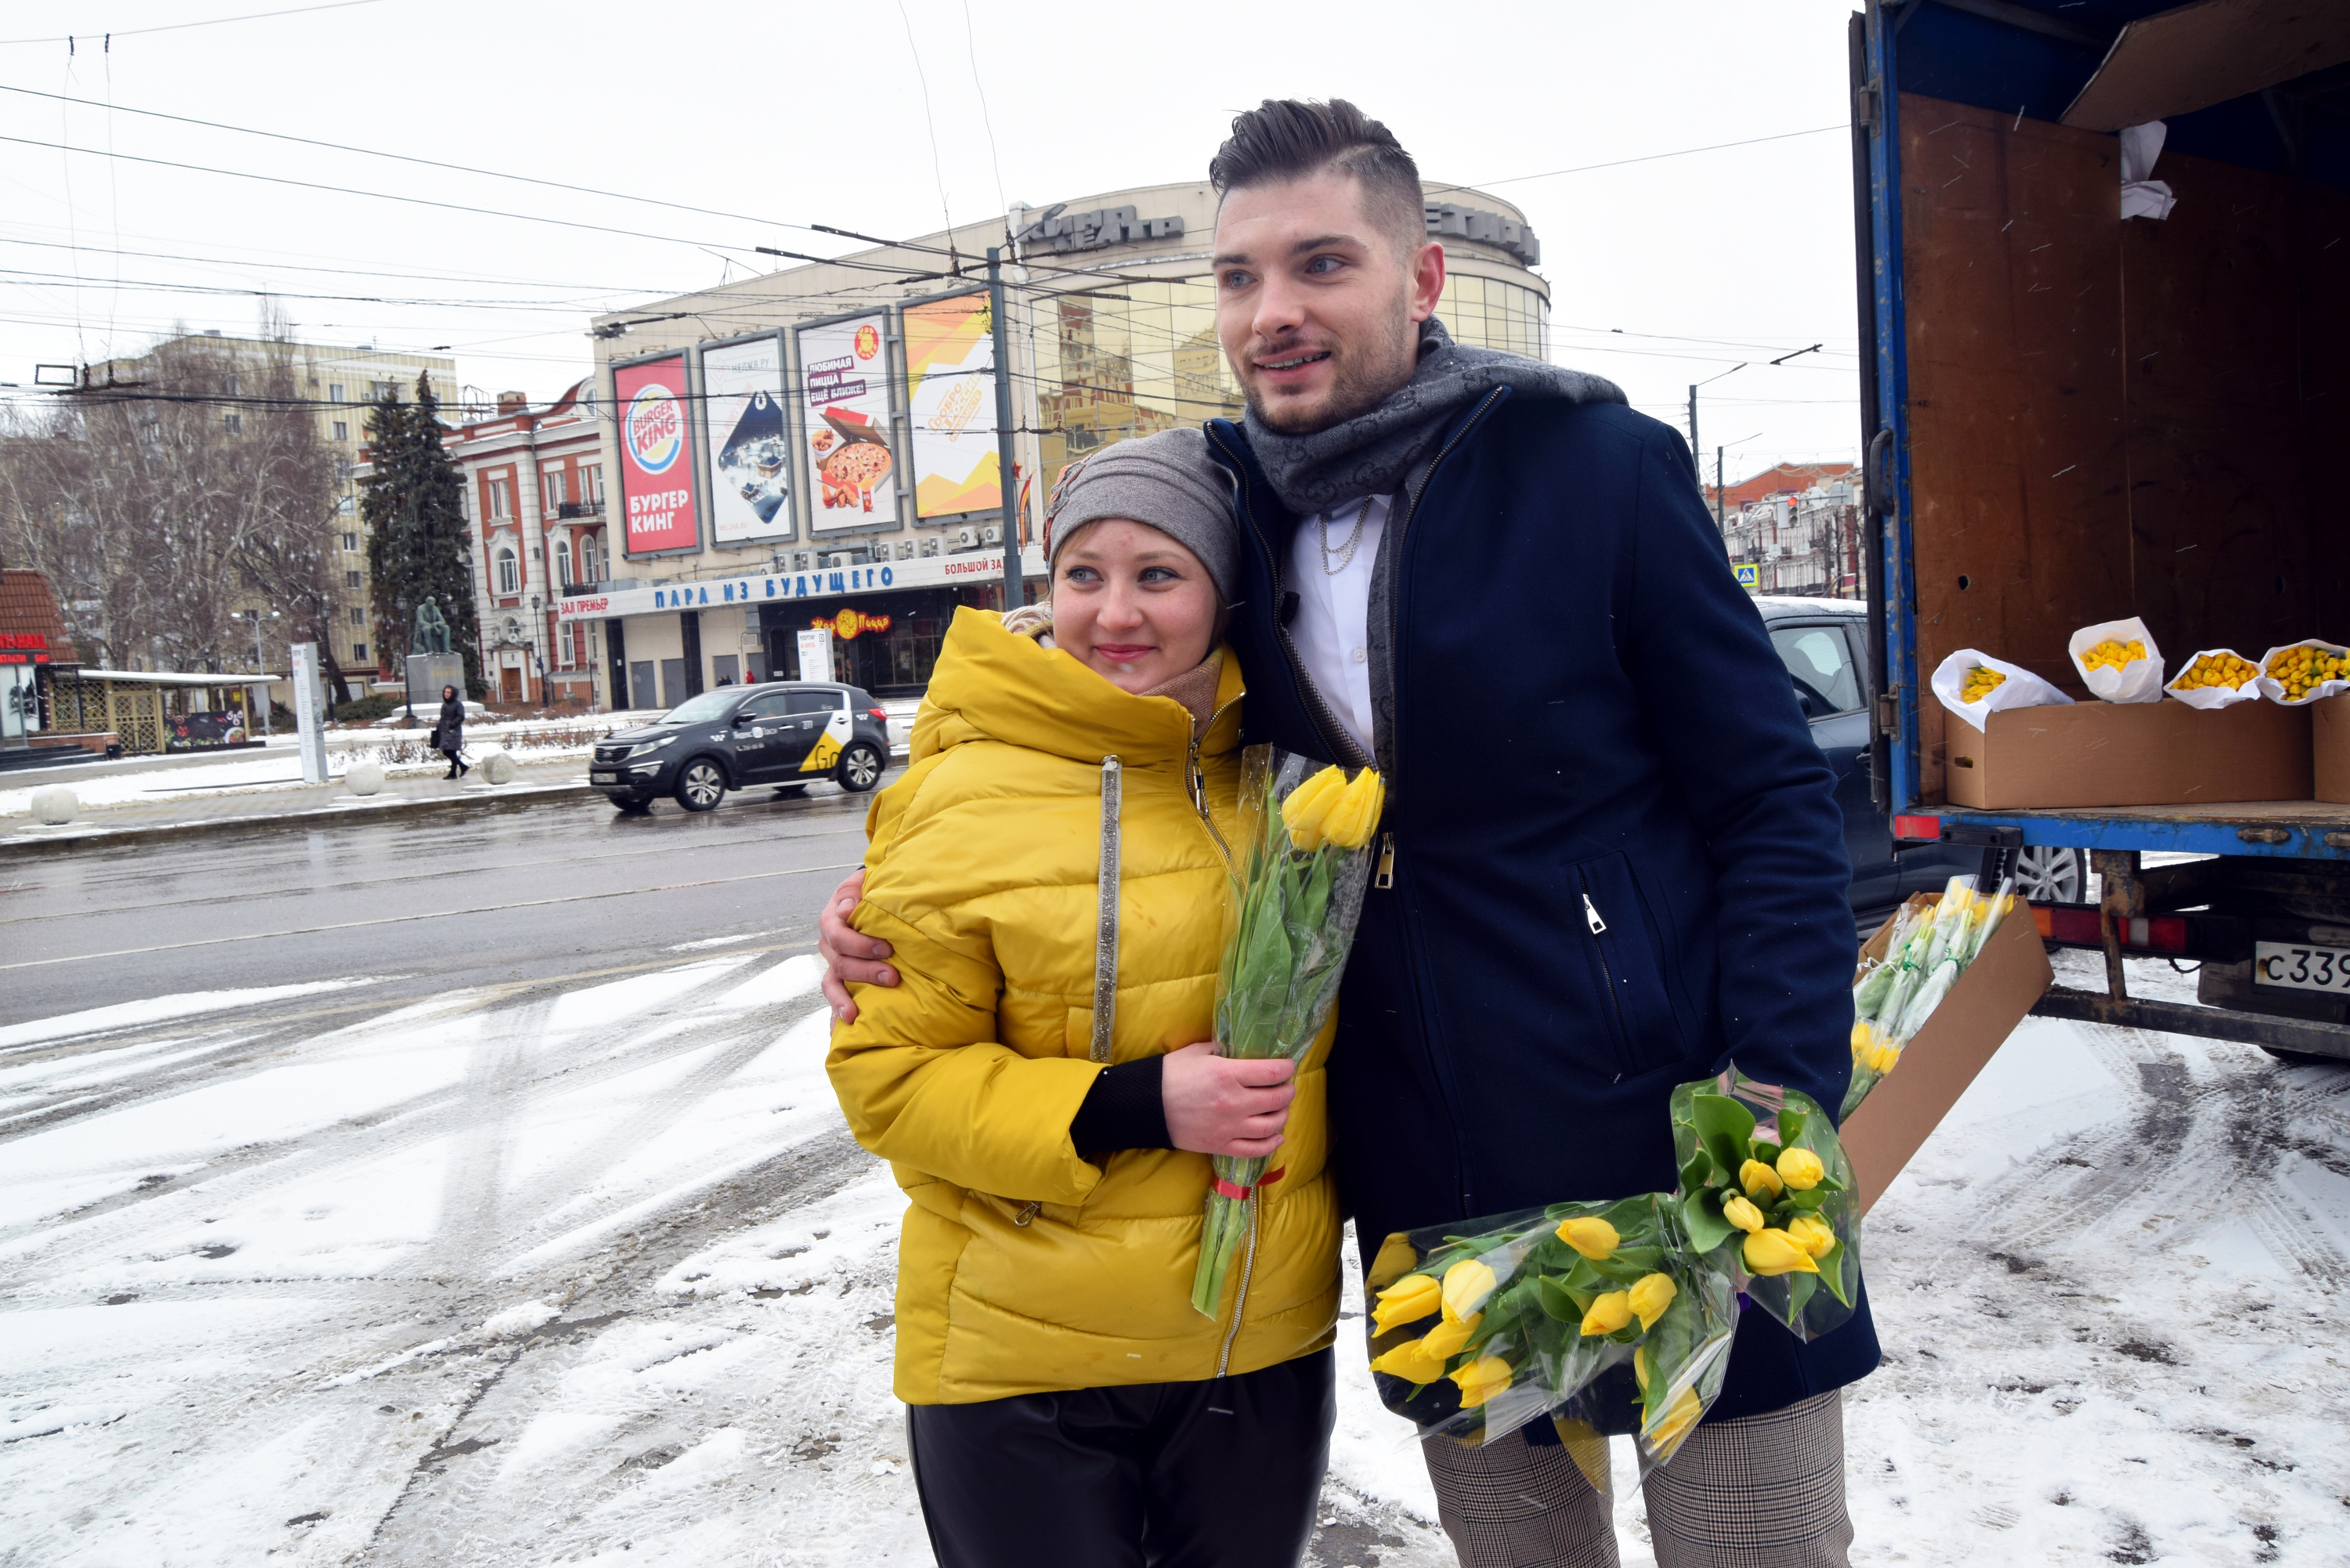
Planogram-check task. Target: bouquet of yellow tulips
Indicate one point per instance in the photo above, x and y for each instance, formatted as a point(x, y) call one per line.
point(1766, 1193)
point(1477, 1334)
point(1299, 873)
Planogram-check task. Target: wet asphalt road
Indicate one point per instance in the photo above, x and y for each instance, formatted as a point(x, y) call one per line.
point(512, 894)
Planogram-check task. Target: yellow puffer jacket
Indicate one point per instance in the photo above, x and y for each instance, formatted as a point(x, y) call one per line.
point(1022, 1268)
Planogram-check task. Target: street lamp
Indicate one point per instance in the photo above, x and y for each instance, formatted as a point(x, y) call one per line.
point(538, 662)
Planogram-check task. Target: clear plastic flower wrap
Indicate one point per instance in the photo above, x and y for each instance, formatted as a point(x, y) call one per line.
point(1299, 870)
point(1479, 1329)
point(1932, 942)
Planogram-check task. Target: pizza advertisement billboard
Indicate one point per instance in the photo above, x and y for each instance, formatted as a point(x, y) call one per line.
point(650, 399)
point(951, 402)
point(844, 396)
point(746, 442)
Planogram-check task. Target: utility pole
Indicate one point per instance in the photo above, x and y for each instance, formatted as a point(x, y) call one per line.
point(1006, 479)
point(1719, 525)
point(1695, 449)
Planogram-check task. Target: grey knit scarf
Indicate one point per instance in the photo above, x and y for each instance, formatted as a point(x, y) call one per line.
point(1371, 453)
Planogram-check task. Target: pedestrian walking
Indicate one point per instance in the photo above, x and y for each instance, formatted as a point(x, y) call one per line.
point(1050, 874)
point(449, 734)
point(1611, 860)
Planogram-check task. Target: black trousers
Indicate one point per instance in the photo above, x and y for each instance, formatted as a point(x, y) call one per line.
point(1222, 1474)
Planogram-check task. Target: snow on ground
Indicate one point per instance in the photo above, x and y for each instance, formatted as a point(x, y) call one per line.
point(405, 753)
point(522, 1276)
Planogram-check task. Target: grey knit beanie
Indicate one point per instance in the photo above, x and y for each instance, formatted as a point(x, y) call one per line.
point(1166, 480)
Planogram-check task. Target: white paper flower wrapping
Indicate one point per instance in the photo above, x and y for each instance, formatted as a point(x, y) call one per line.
point(2273, 690)
point(2021, 688)
point(2140, 680)
point(2211, 697)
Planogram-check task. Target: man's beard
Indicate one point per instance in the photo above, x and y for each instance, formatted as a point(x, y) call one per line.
point(1356, 387)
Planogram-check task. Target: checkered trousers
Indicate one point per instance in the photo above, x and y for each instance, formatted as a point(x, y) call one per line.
point(1766, 1492)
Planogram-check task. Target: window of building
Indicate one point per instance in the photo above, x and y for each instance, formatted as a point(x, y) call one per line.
point(552, 492)
point(234, 422)
point(342, 429)
point(509, 571)
point(592, 484)
point(350, 579)
point(347, 504)
point(352, 543)
point(558, 558)
point(381, 389)
point(591, 559)
point(500, 492)
point(359, 616)
point(334, 391)
point(229, 386)
point(358, 652)
point(566, 652)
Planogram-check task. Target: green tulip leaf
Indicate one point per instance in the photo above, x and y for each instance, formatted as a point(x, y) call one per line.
point(1697, 1172)
point(1707, 1229)
point(1807, 1201)
point(1724, 1127)
point(1833, 1271)
point(1768, 1153)
point(1791, 1124)
point(1799, 1291)
point(1556, 1300)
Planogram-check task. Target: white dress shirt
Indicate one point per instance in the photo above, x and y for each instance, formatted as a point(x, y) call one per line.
point(1332, 627)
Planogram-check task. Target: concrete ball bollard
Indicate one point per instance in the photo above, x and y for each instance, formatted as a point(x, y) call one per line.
point(497, 768)
point(363, 778)
point(56, 805)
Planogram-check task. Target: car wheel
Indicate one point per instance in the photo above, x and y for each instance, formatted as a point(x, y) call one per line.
point(2049, 875)
point(860, 768)
point(701, 786)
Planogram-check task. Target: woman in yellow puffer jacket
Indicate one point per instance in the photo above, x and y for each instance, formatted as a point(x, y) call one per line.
point(1051, 871)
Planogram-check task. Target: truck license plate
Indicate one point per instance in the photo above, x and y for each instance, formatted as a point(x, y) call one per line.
point(2300, 968)
point(596, 778)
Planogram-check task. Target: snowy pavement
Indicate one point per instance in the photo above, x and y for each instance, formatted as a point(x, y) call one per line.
point(535, 1273)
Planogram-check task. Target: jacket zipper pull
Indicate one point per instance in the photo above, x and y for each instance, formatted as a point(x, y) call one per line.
point(1591, 916)
point(1384, 876)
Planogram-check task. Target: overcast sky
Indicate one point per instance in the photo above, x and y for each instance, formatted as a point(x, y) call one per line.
point(771, 115)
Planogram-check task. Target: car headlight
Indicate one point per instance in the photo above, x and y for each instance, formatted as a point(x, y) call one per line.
point(647, 747)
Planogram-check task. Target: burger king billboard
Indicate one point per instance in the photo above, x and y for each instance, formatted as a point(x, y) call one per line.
point(651, 400)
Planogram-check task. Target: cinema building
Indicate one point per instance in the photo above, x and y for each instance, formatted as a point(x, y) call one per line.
point(816, 449)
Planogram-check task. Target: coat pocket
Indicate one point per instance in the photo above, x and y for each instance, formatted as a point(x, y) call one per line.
point(1624, 943)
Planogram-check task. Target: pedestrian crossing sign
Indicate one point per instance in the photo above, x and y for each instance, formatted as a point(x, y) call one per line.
point(1748, 575)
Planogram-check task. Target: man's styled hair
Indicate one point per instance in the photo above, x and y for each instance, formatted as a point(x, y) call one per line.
point(1286, 139)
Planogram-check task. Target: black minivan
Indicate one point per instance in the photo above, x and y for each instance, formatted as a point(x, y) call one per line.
point(1824, 643)
point(789, 733)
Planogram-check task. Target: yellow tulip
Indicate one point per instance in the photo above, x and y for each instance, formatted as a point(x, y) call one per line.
point(1466, 1285)
point(1742, 1214)
point(1411, 1361)
point(1608, 1313)
point(1758, 1179)
point(1801, 1168)
point(1882, 1058)
point(1396, 1259)
point(1651, 1295)
point(1591, 1236)
point(1813, 1234)
point(1481, 1379)
point(1676, 1419)
point(1863, 1039)
point(1450, 1334)
point(1355, 813)
point(1308, 804)
point(1640, 1367)
point(1407, 1300)
point(1771, 1252)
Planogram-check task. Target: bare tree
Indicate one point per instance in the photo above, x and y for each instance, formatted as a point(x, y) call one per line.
point(163, 501)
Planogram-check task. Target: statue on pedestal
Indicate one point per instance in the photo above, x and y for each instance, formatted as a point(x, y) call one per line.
point(432, 628)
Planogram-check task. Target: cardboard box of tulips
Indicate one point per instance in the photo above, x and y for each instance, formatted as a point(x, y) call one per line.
point(2225, 727)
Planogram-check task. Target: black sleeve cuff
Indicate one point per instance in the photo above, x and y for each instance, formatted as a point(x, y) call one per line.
point(1123, 1109)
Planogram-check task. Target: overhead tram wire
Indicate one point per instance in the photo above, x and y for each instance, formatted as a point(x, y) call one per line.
point(182, 26)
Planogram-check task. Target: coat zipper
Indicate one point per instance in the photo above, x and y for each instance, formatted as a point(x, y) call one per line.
point(1591, 917)
point(1333, 734)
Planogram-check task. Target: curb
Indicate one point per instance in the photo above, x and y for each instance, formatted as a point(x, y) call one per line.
point(332, 814)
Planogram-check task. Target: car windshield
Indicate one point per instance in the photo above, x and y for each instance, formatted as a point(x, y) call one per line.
point(702, 708)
